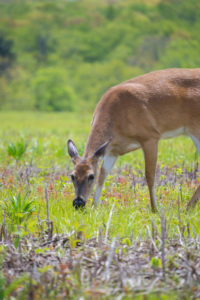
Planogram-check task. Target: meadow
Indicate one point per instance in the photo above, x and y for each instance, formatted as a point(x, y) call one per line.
point(57, 58)
point(35, 168)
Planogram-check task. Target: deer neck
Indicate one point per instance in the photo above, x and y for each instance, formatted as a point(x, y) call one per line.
point(97, 137)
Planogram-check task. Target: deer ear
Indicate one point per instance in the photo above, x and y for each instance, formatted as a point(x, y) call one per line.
point(101, 150)
point(72, 150)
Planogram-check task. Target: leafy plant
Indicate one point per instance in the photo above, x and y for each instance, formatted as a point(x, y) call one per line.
point(156, 262)
point(21, 282)
point(19, 208)
point(17, 150)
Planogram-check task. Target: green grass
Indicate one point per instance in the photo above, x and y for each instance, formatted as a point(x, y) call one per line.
point(46, 161)
point(46, 135)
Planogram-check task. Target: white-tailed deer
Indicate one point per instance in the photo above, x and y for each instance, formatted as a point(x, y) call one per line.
point(137, 114)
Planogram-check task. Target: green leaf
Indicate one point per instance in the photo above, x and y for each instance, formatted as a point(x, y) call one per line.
point(156, 262)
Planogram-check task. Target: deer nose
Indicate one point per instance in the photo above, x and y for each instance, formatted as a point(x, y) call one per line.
point(78, 203)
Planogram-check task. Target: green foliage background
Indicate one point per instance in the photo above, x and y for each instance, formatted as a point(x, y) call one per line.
point(63, 55)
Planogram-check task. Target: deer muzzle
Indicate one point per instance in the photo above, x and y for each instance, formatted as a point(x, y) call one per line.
point(78, 203)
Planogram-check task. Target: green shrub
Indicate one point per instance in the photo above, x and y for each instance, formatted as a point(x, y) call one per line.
point(52, 91)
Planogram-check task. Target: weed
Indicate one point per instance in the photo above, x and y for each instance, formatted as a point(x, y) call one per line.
point(19, 208)
point(17, 150)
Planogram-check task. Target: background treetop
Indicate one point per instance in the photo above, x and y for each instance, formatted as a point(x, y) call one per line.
point(63, 55)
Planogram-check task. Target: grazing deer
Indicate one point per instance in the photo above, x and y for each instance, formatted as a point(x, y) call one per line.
point(137, 114)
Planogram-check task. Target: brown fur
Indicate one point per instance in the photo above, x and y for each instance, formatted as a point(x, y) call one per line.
point(83, 168)
point(146, 107)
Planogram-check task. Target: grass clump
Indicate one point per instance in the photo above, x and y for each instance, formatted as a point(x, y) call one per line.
point(19, 208)
point(17, 150)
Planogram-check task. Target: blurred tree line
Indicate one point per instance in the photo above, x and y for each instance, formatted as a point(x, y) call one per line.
point(63, 55)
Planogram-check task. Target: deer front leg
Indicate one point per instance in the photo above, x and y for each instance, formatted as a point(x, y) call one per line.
point(196, 196)
point(106, 167)
point(150, 149)
point(194, 199)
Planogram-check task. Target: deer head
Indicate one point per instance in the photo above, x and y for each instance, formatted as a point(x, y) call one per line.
point(84, 173)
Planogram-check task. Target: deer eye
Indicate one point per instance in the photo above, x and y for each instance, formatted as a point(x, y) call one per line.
point(72, 177)
point(91, 177)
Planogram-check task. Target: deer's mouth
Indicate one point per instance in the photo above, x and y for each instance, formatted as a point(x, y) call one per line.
point(78, 203)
